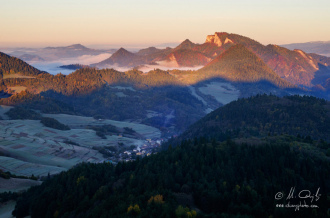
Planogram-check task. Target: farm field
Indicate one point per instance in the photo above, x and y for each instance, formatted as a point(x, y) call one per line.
point(27, 147)
point(80, 121)
point(23, 168)
point(193, 92)
point(17, 89)
point(222, 92)
point(15, 184)
point(16, 75)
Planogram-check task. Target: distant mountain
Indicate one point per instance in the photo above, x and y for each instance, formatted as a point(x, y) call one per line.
point(74, 46)
point(186, 44)
point(56, 53)
point(319, 47)
point(184, 55)
point(238, 64)
point(187, 58)
point(30, 57)
point(181, 56)
point(75, 50)
point(169, 44)
point(149, 51)
point(296, 67)
point(122, 57)
point(321, 59)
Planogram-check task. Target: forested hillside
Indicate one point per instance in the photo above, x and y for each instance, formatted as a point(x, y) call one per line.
point(215, 170)
point(12, 65)
point(200, 177)
point(266, 115)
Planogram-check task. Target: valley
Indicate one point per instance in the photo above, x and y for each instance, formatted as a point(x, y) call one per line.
point(109, 130)
point(29, 148)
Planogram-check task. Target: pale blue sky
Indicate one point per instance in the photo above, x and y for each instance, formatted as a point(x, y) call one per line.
point(146, 22)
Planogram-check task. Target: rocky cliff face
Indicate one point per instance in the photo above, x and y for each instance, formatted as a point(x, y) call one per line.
point(218, 38)
point(209, 39)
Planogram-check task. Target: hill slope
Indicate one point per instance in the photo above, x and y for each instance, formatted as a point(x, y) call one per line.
point(187, 58)
point(296, 67)
point(263, 115)
point(12, 65)
point(238, 64)
point(203, 177)
point(122, 57)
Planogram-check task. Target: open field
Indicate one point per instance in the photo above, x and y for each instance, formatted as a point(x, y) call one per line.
point(120, 94)
point(222, 92)
point(16, 75)
point(193, 92)
point(31, 148)
point(23, 168)
point(15, 184)
point(17, 89)
point(124, 87)
point(79, 122)
point(35, 149)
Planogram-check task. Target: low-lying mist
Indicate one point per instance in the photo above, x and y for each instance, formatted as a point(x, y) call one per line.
point(52, 67)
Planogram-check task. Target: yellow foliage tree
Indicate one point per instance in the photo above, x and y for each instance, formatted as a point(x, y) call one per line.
point(80, 179)
point(133, 210)
point(157, 199)
point(182, 212)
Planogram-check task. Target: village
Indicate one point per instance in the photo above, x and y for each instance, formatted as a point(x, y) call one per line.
point(131, 153)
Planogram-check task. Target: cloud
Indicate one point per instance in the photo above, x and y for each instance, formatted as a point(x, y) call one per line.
point(52, 67)
point(147, 68)
point(90, 59)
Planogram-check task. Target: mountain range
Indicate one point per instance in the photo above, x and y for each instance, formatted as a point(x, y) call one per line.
point(231, 147)
point(232, 66)
point(297, 67)
point(319, 47)
point(56, 53)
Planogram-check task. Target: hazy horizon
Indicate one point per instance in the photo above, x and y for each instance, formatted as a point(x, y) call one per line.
point(95, 46)
point(38, 23)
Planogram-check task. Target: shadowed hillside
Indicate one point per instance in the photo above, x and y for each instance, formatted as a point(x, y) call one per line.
point(266, 115)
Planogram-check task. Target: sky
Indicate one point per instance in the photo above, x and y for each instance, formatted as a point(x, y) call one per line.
point(95, 23)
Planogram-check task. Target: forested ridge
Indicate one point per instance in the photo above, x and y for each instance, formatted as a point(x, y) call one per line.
point(207, 177)
point(84, 81)
point(10, 65)
point(92, 92)
point(266, 115)
point(84, 91)
point(232, 174)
